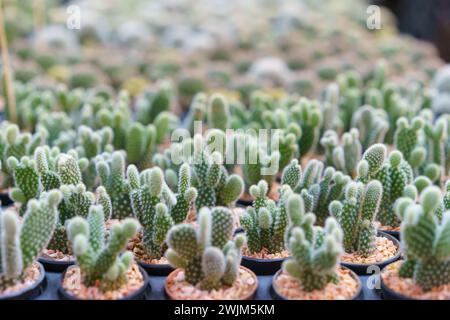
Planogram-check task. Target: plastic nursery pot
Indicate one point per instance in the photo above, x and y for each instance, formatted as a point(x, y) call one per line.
point(262, 267)
point(52, 265)
point(361, 269)
point(389, 294)
point(155, 269)
point(244, 202)
point(174, 274)
point(31, 292)
point(5, 199)
point(394, 233)
point(139, 294)
point(359, 295)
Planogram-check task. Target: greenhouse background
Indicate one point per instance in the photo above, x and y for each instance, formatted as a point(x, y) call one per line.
point(225, 150)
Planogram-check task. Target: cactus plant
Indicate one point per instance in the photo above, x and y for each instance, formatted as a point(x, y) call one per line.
point(112, 177)
point(315, 250)
point(372, 125)
point(425, 240)
point(157, 212)
point(207, 254)
point(20, 244)
point(356, 214)
point(265, 222)
point(308, 115)
point(101, 261)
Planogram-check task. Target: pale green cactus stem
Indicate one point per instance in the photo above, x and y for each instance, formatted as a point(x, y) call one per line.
point(153, 103)
point(26, 181)
point(140, 144)
point(218, 113)
point(292, 174)
point(372, 125)
point(45, 160)
point(406, 140)
point(197, 111)
point(425, 240)
point(21, 244)
point(356, 215)
point(112, 177)
point(315, 250)
point(437, 135)
point(308, 114)
point(101, 260)
point(208, 255)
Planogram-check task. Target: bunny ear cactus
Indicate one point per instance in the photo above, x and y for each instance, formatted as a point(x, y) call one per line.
point(425, 240)
point(372, 125)
point(207, 254)
point(394, 176)
point(315, 250)
point(356, 215)
point(218, 114)
point(26, 181)
point(406, 140)
point(101, 261)
point(265, 222)
point(46, 168)
point(436, 138)
point(343, 157)
point(20, 245)
point(153, 103)
point(308, 115)
point(140, 143)
point(112, 177)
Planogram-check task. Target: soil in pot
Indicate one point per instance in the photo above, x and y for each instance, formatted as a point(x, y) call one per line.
point(56, 261)
point(157, 267)
point(71, 286)
point(349, 287)
point(395, 287)
point(393, 231)
point(31, 286)
point(263, 262)
point(244, 288)
point(387, 251)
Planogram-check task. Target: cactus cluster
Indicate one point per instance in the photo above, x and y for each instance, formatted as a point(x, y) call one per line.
point(156, 208)
point(315, 250)
point(100, 255)
point(425, 240)
point(21, 243)
point(207, 254)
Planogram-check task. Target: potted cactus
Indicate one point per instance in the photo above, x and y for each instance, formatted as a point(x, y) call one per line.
point(103, 270)
point(425, 272)
point(313, 272)
point(21, 276)
point(356, 215)
point(264, 224)
point(208, 260)
point(157, 210)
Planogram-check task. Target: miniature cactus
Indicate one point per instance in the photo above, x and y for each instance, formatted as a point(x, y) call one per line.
point(26, 181)
point(112, 177)
point(425, 240)
point(342, 157)
point(218, 112)
point(101, 261)
point(155, 209)
point(152, 103)
point(265, 222)
point(372, 125)
point(356, 214)
point(214, 185)
point(406, 140)
point(140, 143)
point(207, 254)
point(308, 115)
point(315, 250)
point(437, 136)
point(20, 244)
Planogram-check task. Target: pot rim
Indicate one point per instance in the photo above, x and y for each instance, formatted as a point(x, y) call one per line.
point(40, 280)
point(248, 297)
point(356, 296)
point(392, 292)
point(64, 294)
point(264, 260)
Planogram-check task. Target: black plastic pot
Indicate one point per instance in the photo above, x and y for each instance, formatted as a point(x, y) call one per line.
point(156, 269)
point(395, 234)
point(389, 294)
point(52, 265)
point(262, 267)
point(244, 203)
point(361, 269)
point(139, 294)
point(277, 296)
point(5, 199)
point(32, 292)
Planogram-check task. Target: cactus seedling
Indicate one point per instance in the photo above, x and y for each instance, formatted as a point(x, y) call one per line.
point(315, 250)
point(207, 254)
point(20, 245)
point(100, 260)
point(425, 240)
